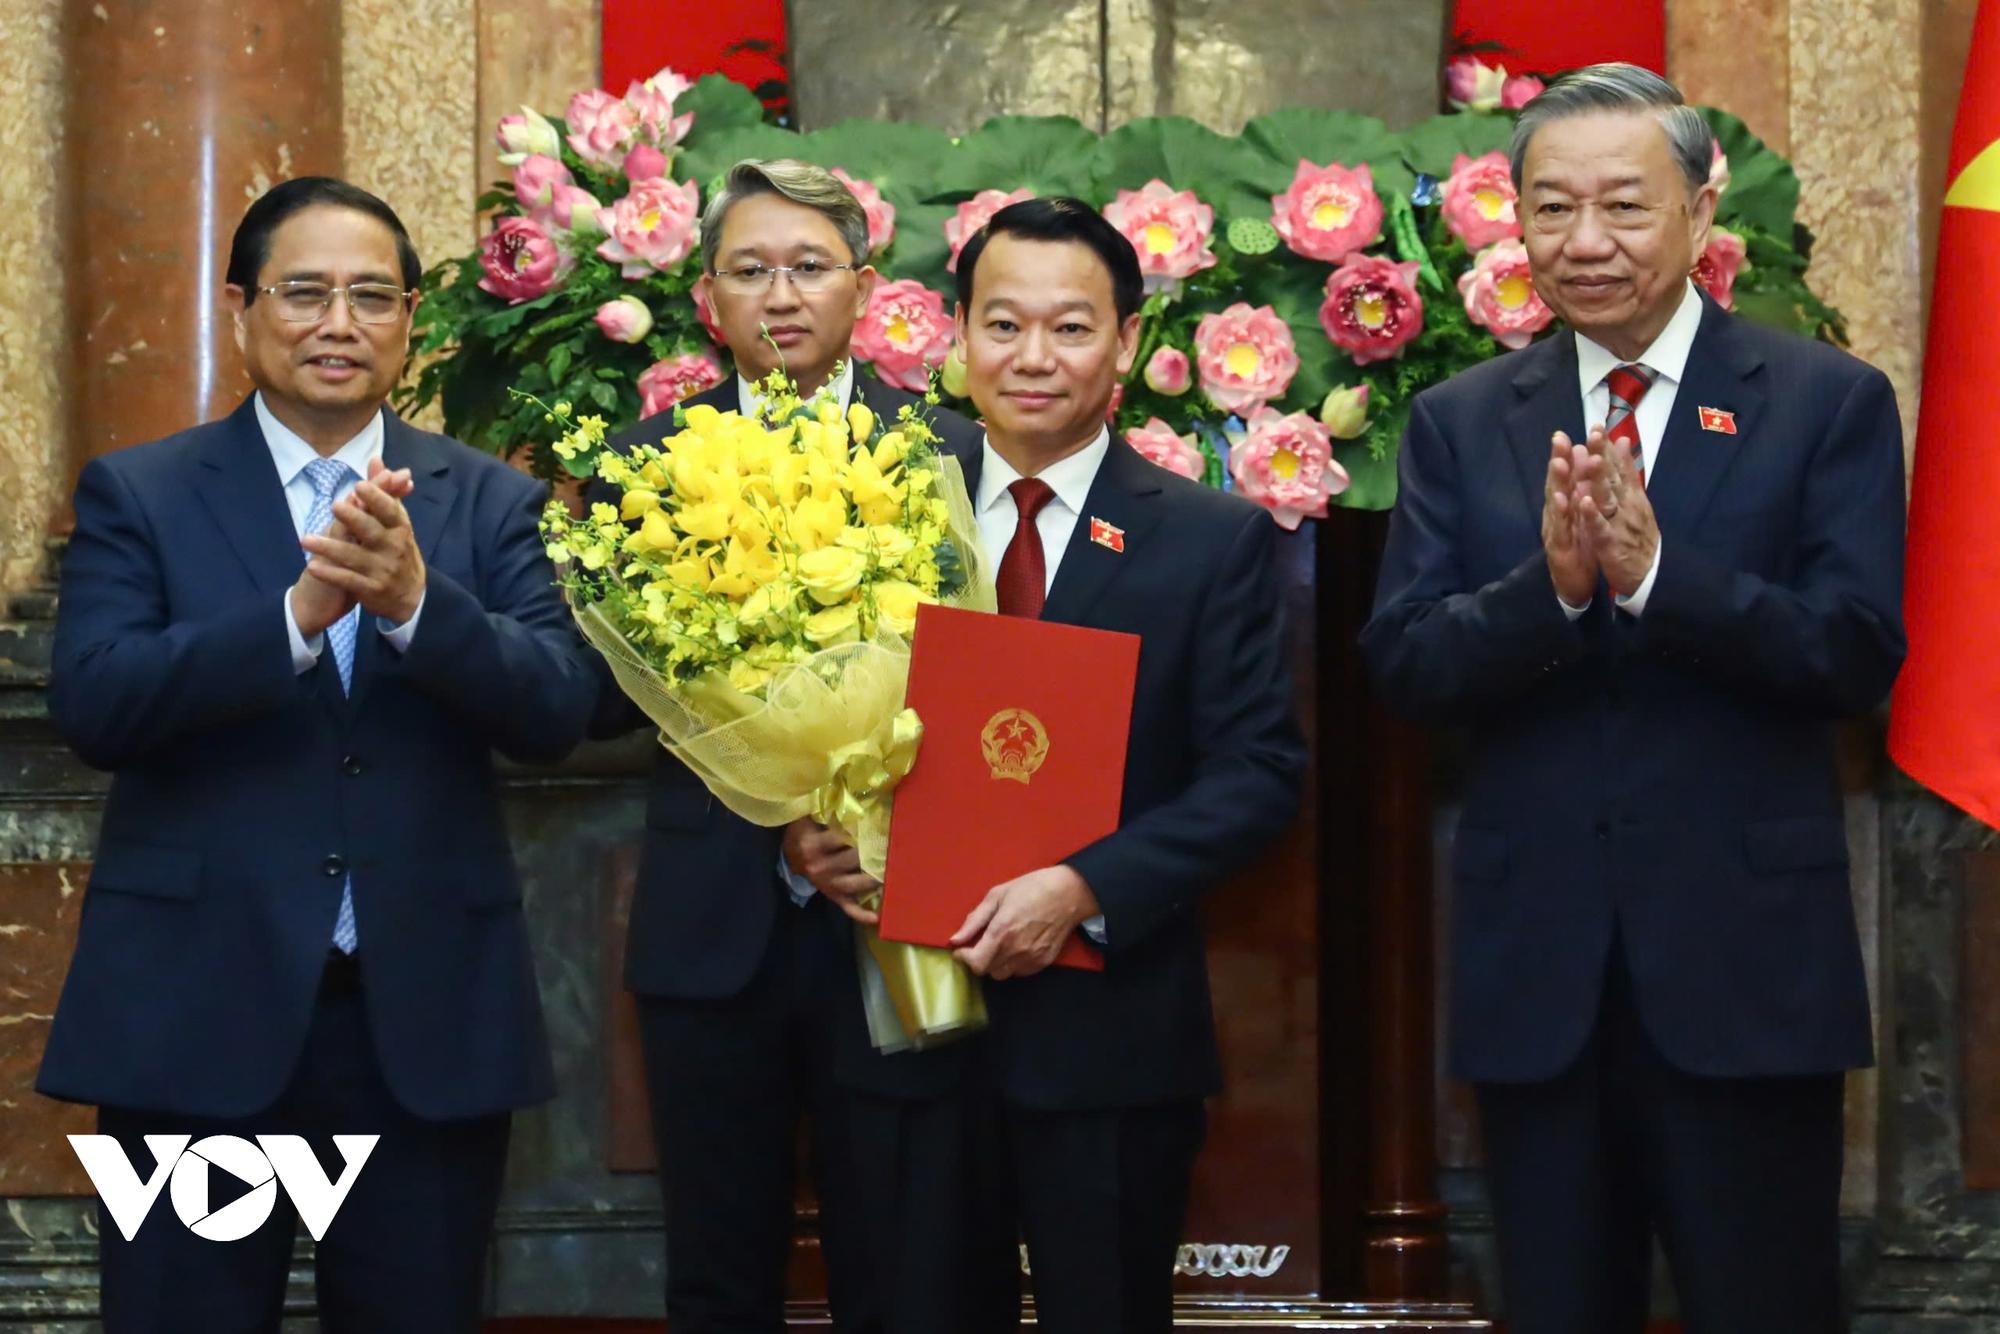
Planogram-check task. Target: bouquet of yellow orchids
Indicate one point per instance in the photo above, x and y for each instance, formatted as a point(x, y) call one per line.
point(754, 590)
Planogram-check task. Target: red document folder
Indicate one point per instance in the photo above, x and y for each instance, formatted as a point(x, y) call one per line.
point(1022, 764)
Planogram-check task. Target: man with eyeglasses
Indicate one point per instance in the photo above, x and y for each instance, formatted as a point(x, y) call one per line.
point(295, 637)
point(740, 949)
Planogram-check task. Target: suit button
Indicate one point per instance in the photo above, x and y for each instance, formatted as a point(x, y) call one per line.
point(1602, 829)
point(351, 766)
point(335, 866)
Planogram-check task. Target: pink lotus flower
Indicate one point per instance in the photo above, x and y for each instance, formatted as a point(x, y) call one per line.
point(1284, 462)
point(572, 210)
point(881, 213)
point(652, 102)
point(535, 180)
point(1329, 212)
point(1471, 86)
point(1519, 90)
point(525, 134)
point(1715, 272)
point(644, 163)
point(1157, 443)
point(1246, 357)
point(625, 319)
point(706, 314)
point(973, 214)
point(1168, 372)
point(1372, 308)
point(903, 333)
point(601, 127)
point(520, 260)
point(665, 383)
point(1500, 295)
point(652, 227)
point(1479, 201)
point(1169, 228)
point(1718, 168)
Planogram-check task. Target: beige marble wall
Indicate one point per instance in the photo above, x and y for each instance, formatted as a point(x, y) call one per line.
point(409, 95)
point(534, 53)
point(32, 429)
point(1735, 54)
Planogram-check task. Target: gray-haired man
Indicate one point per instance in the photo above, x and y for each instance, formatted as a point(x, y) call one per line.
point(1647, 563)
point(740, 949)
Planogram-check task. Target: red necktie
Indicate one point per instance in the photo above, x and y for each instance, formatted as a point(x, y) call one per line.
point(1628, 384)
point(1024, 573)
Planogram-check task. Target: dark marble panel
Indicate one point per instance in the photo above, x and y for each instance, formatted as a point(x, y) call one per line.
point(38, 913)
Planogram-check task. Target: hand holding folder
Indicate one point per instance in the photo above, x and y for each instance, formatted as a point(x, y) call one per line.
point(1022, 764)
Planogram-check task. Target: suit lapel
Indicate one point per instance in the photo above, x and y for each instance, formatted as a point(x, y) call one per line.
point(1547, 400)
point(1124, 494)
point(241, 487)
point(1721, 373)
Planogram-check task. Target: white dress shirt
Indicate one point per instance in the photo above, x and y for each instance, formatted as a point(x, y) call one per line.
point(292, 454)
point(1667, 358)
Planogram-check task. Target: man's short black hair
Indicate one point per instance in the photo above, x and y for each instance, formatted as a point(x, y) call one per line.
point(1061, 218)
point(252, 244)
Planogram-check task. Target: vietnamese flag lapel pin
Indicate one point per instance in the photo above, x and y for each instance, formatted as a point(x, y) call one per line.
point(1105, 535)
point(1715, 419)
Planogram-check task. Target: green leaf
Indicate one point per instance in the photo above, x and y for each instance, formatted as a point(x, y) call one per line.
point(1186, 155)
point(899, 158)
point(716, 154)
point(1371, 481)
point(1763, 190)
point(1430, 146)
point(719, 104)
point(1322, 137)
point(1049, 155)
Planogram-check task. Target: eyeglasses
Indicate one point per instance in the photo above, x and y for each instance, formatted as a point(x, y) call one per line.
point(369, 303)
point(810, 276)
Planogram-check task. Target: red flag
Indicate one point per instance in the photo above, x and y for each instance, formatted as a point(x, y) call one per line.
point(1944, 727)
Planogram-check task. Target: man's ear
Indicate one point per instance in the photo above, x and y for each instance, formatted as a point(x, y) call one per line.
point(237, 303)
point(1128, 343)
point(865, 279)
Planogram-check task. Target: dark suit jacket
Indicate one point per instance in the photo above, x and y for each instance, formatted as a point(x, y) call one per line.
point(1669, 777)
point(243, 793)
point(1212, 774)
point(708, 890)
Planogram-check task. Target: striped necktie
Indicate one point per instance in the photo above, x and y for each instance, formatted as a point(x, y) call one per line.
point(1628, 384)
point(326, 476)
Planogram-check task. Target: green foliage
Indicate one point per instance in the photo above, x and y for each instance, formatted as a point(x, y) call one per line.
point(474, 348)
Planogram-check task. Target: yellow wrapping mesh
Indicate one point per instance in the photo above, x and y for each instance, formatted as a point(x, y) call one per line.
point(830, 739)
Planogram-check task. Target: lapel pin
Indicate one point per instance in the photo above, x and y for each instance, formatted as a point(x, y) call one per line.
point(1715, 419)
point(1105, 535)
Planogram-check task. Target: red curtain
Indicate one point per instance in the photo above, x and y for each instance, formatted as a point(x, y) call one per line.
point(1550, 35)
point(692, 36)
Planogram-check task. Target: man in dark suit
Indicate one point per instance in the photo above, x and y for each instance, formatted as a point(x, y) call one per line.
point(1101, 1075)
point(304, 917)
point(740, 948)
point(1656, 980)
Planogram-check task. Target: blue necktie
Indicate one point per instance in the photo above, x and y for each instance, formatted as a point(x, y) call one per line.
point(326, 476)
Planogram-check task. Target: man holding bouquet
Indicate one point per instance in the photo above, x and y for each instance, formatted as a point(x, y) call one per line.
point(1101, 1075)
point(740, 949)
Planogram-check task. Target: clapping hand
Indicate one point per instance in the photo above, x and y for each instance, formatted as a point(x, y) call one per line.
point(370, 552)
point(1614, 514)
point(318, 603)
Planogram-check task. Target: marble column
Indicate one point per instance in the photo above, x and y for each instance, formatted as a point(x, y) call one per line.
point(179, 115)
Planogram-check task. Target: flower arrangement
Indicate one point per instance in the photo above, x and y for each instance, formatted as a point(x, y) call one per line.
point(755, 589)
point(1317, 264)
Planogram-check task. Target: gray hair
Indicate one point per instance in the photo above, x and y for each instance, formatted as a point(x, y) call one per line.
point(1619, 87)
point(802, 183)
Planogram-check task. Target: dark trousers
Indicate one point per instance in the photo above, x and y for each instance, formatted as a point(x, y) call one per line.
point(939, 1222)
point(406, 1252)
point(1738, 1178)
point(729, 1080)
point(1102, 1198)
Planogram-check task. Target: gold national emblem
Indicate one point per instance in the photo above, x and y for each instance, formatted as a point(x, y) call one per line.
point(1015, 743)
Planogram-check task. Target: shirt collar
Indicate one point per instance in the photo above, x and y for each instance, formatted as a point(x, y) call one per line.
point(749, 401)
point(291, 453)
point(1668, 355)
point(1069, 477)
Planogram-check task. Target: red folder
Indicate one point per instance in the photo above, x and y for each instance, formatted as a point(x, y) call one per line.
point(1022, 764)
